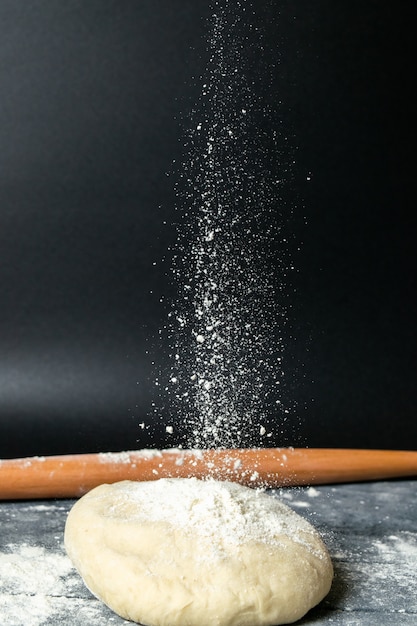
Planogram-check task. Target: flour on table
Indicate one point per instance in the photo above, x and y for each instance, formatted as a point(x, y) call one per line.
point(40, 587)
point(29, 576)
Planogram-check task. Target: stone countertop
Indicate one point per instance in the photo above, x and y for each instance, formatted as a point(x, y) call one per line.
point(370, 529)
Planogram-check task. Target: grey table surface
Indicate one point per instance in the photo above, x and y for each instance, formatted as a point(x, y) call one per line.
point(370, 529)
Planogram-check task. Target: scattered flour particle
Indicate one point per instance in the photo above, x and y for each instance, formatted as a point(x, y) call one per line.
point(223, 262)
point(114, 457)
point(32, 582)
point(301, 505)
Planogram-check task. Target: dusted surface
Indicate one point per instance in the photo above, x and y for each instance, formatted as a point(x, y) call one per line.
point(370, 529)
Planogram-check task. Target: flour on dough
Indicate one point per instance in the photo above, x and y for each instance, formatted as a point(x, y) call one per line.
point(189, 552)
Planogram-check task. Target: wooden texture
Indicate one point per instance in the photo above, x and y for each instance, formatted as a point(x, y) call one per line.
point(72, 475)
point(370, 529)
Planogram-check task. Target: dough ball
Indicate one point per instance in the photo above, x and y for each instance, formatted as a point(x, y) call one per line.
point(189, 552)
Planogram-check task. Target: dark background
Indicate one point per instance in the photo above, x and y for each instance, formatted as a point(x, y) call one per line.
point(90, 95)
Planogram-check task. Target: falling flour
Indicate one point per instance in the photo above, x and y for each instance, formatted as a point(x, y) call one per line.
point(232, 260)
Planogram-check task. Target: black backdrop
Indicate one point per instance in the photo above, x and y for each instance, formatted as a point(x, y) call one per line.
point(90, 97)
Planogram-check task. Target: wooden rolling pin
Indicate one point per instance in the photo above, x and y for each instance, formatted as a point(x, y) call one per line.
point(71, 476)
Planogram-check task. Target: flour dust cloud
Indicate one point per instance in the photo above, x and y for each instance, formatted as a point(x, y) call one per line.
point(231, 265)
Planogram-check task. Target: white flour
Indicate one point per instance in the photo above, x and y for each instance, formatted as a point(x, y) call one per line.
point(227, 513)
point(32, 570)
point(232, 262)
point(40, 587)
point(29, 577)
point(379, 568)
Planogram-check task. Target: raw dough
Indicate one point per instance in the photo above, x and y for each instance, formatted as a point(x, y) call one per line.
point(187, 552)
